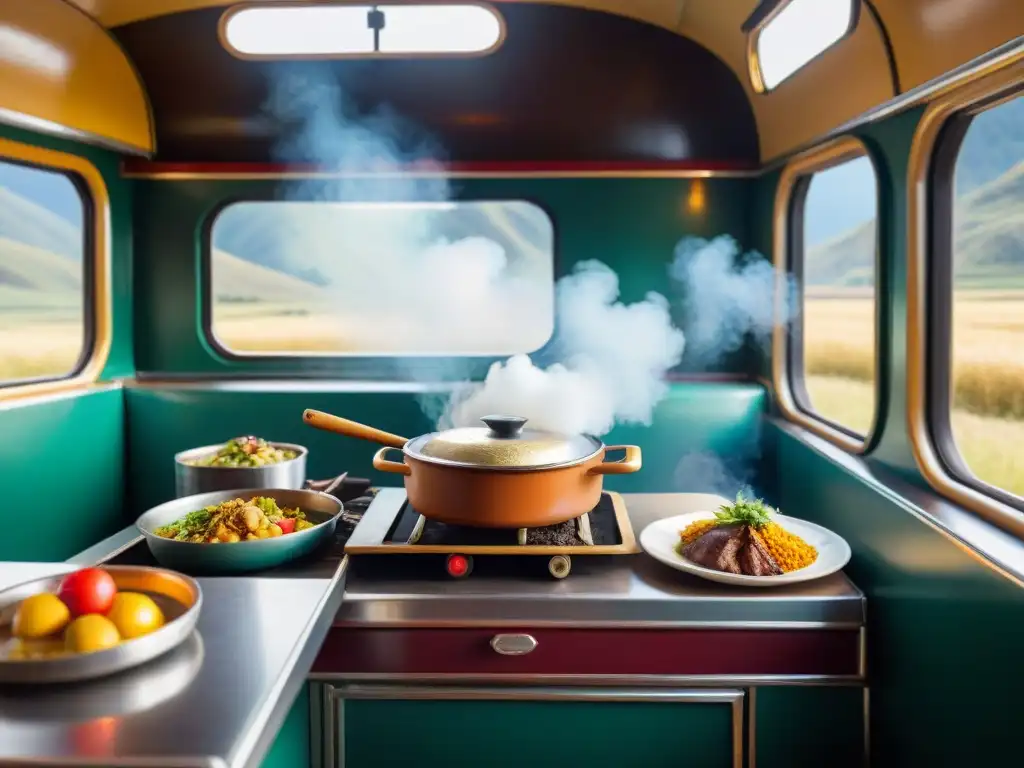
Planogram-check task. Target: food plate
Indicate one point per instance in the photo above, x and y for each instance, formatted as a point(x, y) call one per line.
point(244, 556)
point(661, 538)
point(178, 597)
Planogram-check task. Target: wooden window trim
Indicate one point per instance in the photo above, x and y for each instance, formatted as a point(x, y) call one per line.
point(931, 459)
point(789, 193)
point(97, 290)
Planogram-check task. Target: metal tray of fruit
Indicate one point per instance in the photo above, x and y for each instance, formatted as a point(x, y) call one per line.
point(93, 622)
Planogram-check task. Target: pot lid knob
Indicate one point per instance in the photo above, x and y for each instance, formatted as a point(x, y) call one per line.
point(504, 426)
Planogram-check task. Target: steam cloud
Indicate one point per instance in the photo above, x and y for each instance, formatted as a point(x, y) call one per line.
point(729, 297)
point(613, 357)
point(397, 280)
point(707, 472)
point(400, 279)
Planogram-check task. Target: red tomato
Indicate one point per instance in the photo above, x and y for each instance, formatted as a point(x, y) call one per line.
point(286, 524)
point(90, 590)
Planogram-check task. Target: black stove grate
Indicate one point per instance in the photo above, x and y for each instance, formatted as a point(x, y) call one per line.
point(604, 530)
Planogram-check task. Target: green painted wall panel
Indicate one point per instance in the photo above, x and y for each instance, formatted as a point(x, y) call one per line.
point(162, 421)
point(890, 142)
point(291, 748)
point(941, 659)
point(943, 628)
point(633, 225)
point(539, 734)
point(62, 458)
point(62, 475)
point(809, 727)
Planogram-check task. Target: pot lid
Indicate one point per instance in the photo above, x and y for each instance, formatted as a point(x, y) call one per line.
point(505, 444)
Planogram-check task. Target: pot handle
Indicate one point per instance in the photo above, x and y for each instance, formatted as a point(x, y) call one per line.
point(624, 466)
point(330, 423)
point(395, 467)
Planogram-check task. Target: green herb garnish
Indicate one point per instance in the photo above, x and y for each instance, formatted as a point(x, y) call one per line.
point(182, 529)
point(267, 505)
point(743, 511)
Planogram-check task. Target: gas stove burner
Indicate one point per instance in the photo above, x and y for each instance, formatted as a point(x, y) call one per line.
point(392, 526)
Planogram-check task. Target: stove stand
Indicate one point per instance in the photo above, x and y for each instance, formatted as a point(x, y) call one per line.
point(391, 526)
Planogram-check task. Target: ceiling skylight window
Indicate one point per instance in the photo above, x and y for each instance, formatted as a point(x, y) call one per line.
point(794, 35)
point(330, 31)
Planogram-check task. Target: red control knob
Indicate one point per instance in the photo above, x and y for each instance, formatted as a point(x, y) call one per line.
point(458, 565)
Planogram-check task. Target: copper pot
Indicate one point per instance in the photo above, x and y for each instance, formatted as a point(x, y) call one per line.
point(497, 476)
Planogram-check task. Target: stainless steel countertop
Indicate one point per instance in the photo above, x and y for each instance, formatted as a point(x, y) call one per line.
point(220, 699)
point(231, 685)
point(624, 590)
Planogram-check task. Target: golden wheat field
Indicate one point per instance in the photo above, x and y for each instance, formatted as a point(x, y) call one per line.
point(988, 361)
point(31, 348)
point(988, 346)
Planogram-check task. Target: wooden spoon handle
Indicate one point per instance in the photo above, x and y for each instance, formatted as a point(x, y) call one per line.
point(329, 423)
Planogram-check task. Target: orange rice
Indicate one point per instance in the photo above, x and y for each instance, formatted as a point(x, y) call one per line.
point(790, 551)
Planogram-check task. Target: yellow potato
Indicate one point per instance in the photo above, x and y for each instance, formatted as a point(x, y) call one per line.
point(40, 615)
point(91, 632)
point(135, 614)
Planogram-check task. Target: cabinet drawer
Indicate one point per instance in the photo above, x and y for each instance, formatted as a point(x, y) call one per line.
point(469, 651)
point(542, 728)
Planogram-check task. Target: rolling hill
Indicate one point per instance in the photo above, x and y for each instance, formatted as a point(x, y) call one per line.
point(306, 241)
point(36, 279)
point(29, 223)
point(989, 240)
point(237, 280)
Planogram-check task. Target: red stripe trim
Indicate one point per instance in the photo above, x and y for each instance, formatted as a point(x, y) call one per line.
point(593, 652)
point(148, 167)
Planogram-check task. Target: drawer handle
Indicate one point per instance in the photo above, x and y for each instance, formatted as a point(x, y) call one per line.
point(513, 645)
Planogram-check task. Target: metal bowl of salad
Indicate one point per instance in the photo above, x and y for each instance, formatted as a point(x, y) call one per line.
point(243, 462)
point(238, 531)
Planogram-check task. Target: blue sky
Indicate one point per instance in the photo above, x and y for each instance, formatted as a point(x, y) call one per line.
point(53, 191)
point(839, 199)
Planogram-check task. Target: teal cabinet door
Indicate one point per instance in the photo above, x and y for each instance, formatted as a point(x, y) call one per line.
point(537, 728)
point(809, 727)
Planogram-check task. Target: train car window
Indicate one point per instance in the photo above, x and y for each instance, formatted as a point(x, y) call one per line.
point(44, 275)
point(381, 279)
point(794, 35)
point(439, 29)
point(833, 254)
point(361, 30)
point(977, 308)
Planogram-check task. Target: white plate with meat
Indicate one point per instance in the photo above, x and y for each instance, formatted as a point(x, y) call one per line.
point(732, 550)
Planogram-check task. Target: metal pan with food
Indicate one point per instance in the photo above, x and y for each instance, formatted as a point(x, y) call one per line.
point(239, 531)
point(243, 462)
point(93, 622)
point(501, 475)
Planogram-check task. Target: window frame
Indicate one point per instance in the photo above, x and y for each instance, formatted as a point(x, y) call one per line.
point(244, 6)
point(225, 353)
point(933, 155)
point(787, 347)
point(96, 263)
point(754, 59)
